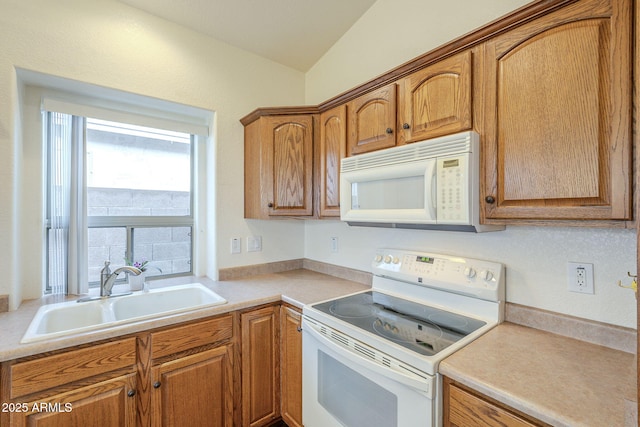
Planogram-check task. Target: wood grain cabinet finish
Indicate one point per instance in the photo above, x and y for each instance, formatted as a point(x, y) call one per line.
point(291, 366)
point(279, 166)
point(436, 100)
point(194, 390)
point(260, 366)
point(372, 121)
point(333, 146)
point(73, 386)
point(180, 375)
point(558, 116)
point(464, 407)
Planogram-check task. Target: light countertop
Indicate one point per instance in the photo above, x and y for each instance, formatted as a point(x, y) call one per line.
point(558, 380)
point(296, 287)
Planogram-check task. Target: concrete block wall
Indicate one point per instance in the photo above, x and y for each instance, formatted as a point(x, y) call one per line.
point(167, 248)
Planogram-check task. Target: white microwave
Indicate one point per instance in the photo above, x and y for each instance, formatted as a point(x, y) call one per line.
point(432, 184)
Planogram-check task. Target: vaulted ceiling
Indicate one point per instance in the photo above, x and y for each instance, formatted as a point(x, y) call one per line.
point(295, 33)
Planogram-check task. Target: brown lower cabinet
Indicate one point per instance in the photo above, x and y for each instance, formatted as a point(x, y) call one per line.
point(465, 407)
point(221, 371)
point(291, 366)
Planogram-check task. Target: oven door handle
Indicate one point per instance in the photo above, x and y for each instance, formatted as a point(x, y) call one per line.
point(420, 384)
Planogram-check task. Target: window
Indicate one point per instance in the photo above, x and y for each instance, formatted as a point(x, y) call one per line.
point(117, 192)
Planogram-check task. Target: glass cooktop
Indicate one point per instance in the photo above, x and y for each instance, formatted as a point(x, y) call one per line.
point(421, 328)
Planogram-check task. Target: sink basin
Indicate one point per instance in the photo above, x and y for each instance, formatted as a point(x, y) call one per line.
point(72, 317)
point(165, 301)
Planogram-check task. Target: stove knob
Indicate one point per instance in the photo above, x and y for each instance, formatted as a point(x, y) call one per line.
point(486, 275)
point(395, 330)
point(378, 322)
point(387, 259)
point(387, 326)
point(469, 272)
point(378, 258)
point(396, 260)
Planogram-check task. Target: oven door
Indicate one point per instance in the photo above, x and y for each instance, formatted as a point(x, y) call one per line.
point(342, 387)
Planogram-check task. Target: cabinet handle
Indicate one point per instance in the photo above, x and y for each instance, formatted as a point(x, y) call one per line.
point(389, 131)
point(406, 126)
point(131, 393)
point(299, 328)
point(490, 199)
point(270, 205)
point(157, 384)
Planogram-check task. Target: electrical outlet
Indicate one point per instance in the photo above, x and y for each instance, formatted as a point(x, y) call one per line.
point(580, 277)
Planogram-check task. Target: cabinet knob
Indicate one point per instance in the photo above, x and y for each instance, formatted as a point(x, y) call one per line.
point(157, 384)
point(131, 393)
point(299, 328)
point(490, 199)
point(406, 126)
point(270, 205)
point(389, 131)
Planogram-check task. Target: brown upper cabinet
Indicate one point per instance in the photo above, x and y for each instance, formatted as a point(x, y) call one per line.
point(557, 142)
point(278, 166)
point(333, 145)
point(372, 121)
point(548, 88)
point(436, 100)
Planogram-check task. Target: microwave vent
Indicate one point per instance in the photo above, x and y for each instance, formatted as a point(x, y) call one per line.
point(437, 147)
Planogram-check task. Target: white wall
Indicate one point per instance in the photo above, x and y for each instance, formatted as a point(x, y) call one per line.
point(393, 32)
point(109, 44)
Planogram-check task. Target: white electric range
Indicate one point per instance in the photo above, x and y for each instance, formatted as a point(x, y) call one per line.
point(371, 358)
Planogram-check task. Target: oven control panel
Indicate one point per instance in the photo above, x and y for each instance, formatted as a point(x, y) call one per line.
point(468, 276)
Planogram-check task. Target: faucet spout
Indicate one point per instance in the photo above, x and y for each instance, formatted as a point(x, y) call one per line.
point(107, 278)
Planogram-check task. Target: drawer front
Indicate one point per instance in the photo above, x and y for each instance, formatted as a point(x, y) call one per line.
point(51, 371)
point(467, 410)
point(175, 340)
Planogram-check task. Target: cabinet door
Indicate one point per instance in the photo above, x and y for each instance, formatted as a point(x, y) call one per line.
point(260, 364)
point(289, 164)
point(333, 145)
point(109, 403)
point(558, 109)
point(372, 121)
point(195, 390)
point(435, 101)
point(291, 366)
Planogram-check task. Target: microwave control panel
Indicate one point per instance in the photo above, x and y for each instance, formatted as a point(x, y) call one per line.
point(453, 190)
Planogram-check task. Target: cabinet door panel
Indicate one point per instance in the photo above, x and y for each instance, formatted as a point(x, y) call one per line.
point(292, 164)
point(106, 404)
point(194, 390)
point(260, 364)
point(436, 101)
point(333, 141)
point(372, 119)
point(291, 367)
point(558, 139)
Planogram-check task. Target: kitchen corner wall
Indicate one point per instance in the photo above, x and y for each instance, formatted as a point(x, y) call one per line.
point(108, 44)
point(394, 31)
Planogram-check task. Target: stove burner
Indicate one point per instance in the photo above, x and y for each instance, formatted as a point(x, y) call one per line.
point(356, 307)
point(418, 327)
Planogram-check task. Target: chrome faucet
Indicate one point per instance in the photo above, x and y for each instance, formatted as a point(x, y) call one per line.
point(107, 278)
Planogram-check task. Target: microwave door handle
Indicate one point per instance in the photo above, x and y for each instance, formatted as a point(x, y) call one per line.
point(434, 193)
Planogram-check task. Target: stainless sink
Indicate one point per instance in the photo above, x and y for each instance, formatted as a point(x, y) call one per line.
point(73, 317)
